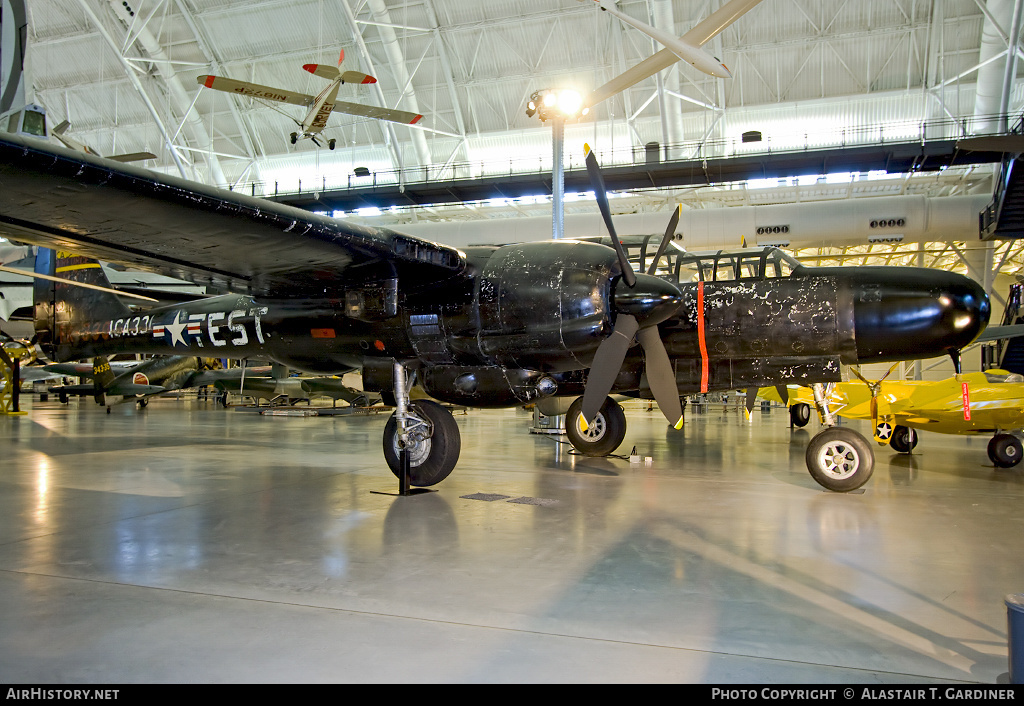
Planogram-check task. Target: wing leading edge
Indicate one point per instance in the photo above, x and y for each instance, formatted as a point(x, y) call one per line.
point(57, 198)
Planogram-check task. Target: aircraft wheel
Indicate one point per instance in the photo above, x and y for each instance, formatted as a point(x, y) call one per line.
point(108, 410)
point(331, 144)
point(1005, 450)
point(294, 137)
point(800, 414)
point(903, 440)
point(604, 435)
point(840, 459)
point(62, 397)
point(435, 444)
point(143, 402)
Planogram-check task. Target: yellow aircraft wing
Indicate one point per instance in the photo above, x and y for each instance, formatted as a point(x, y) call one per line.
point(370, 111)
point(254, 90)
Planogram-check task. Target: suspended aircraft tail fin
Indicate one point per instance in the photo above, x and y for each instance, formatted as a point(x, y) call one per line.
point(333, 73)
point(61, 308)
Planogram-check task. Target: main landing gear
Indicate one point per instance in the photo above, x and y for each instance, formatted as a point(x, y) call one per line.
point(837, 458)
point(604, 435)
point(1005, 450)
point(422, 436)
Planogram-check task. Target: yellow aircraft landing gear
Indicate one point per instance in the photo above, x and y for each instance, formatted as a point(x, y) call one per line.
point(10, 379)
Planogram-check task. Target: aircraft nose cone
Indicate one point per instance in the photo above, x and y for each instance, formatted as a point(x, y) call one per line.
point(916, 313)
point(651, 300)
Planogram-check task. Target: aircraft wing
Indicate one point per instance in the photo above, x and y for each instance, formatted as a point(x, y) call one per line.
point(58, 198)
point(701, 33)
point(370, 111)
point(254, 90)
point(129, 389)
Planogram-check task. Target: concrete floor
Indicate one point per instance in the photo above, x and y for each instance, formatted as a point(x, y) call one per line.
point(188, 543)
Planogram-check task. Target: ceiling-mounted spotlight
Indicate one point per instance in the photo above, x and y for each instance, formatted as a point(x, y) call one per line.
point(548, 103)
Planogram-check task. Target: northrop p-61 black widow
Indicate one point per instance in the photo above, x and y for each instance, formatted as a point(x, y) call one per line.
point(485, 327)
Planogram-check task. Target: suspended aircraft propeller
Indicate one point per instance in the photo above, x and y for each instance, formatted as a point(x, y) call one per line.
point(640, 306)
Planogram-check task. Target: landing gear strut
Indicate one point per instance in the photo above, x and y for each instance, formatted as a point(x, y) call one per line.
point(421, 439)
point(838, 459)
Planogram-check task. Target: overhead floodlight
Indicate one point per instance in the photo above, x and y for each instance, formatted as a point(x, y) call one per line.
point(549, 103)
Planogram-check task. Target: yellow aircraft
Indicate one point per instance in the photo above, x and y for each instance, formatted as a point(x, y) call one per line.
point(991, 402)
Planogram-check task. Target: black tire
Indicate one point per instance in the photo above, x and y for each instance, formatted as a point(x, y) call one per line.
point(142, 403)
point(294, 138)
point(603, 436)
point(800, 414)
point(1005, 450)
point(331, 144)
point(903, 440)
point(435, 448)
point(839, 459)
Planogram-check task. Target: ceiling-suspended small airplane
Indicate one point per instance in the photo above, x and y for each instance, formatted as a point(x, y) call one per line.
point(59, 133)
point(319, 106)
point(686, 48)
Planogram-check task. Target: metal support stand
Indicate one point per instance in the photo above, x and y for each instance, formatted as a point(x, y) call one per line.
point(10, 372)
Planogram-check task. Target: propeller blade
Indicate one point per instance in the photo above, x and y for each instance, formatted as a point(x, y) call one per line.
point(606, 365)
point(748, 405)
point(601, 194)
point(670, 231)
point(660, 376)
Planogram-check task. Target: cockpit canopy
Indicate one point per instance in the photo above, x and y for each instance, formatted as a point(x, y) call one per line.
point(681, 266)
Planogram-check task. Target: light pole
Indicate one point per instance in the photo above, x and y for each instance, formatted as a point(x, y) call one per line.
point(556, 105)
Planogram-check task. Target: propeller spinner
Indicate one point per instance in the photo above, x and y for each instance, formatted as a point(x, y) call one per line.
point(640, 303)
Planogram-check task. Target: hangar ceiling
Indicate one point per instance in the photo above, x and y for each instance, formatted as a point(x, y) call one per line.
point(805, 73)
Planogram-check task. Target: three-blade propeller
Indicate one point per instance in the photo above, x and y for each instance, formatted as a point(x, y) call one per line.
point(640, 305)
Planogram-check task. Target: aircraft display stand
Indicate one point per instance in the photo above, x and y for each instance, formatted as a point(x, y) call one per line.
point(544, 424)
point(404, 489)
point(10, 367)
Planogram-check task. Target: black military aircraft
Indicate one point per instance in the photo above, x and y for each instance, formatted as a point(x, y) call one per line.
point(488, 327)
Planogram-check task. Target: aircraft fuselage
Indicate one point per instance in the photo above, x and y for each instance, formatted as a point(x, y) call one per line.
point(524, 322)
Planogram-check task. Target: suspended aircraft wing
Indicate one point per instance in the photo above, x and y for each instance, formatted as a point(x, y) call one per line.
point(370, 111)
point(254, 90)
point(699, 35)
point(57, 198)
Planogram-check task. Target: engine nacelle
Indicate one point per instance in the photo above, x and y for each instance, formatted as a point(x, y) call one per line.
point(546, 306)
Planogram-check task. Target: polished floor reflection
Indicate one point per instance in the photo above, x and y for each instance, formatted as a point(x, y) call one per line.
point(188, 543)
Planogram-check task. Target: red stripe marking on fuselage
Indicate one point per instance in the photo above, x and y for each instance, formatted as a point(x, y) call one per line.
point(700, 338)
point(209, 81)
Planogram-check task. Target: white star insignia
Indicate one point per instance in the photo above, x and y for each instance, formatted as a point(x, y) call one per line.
point(883, 430)
point(176, 330)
